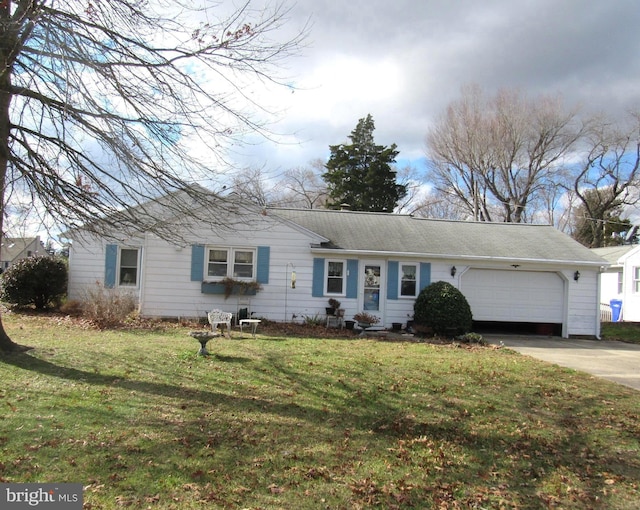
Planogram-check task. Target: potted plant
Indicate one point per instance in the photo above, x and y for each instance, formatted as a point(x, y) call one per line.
point(334, 305)
point(365, 319)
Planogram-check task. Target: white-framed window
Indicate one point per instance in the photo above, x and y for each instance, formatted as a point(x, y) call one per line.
point(238, 263)
point(128, 267)
point(636, 279)
point(243, 263)
point(620, 282)
point(408, 280)
point(336, 275)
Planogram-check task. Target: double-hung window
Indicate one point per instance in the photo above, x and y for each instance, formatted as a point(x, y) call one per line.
point(218, 263)
point(237, 263)
point(128, 268)
point(408, 280)
point(636, 279)
point(243, 264)
point(620, 282)
point(336, 275)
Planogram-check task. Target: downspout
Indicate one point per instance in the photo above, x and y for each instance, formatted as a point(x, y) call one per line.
point(566, 304)
point(143, 275)
point(597, 314)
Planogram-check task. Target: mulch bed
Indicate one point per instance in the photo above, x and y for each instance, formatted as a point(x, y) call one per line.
point(266, 327)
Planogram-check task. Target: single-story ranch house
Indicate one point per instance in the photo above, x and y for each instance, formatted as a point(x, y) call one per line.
point(512, 274)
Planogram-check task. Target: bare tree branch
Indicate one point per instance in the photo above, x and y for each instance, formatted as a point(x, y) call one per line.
point(117, 94)
point(607, 176)
point(109, 104)
point(498, 154)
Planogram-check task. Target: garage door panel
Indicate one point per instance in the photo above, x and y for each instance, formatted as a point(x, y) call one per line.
point(514, 296)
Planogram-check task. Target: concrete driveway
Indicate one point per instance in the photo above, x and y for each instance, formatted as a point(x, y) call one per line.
point(616, 361)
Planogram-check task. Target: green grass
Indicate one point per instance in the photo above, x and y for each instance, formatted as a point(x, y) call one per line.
point(306, 423)
point(622, 331)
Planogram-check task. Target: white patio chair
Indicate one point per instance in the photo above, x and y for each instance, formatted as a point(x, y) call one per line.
point(219, 317)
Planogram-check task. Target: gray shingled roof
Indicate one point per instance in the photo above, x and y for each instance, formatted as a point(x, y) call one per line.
point(393, 233)
point(613, 253)
point(13, 248)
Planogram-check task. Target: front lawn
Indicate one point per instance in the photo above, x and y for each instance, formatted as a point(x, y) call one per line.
point(622, 331)
point(307, 423)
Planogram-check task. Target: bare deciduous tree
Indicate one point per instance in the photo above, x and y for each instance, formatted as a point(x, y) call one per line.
point(554, 205)
point(107, 104)
point(440, 205)
point(417, 191)
point(303, 186)
point(607, 176)
point(250, 184)
point(499, 153)
point(298, 187)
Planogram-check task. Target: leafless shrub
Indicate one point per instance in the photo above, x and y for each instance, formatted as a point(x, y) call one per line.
point(73, 308)
point(108, 308)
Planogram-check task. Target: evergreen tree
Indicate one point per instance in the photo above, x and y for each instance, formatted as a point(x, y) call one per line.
point(360, 174)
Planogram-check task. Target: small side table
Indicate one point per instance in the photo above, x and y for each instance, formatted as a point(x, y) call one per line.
point(254, 325)
point(203, 337)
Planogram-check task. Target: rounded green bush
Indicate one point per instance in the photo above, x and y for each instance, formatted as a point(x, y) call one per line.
point(38, 281)
point(443, 309)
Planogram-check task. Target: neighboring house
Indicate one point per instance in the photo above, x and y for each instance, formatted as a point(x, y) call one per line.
point(14, 249)
point(511, 274)
point(621, 280)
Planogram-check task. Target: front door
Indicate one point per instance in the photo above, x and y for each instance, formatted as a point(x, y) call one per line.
point(371, 283)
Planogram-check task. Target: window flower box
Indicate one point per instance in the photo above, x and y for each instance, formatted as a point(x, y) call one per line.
point(231, 287)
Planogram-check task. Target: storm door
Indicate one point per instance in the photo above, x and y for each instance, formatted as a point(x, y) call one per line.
point(372, 284)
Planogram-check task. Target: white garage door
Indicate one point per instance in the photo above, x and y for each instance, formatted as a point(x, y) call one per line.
point(514, 296)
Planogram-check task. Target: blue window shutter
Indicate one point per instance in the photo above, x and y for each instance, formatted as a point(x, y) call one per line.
point(110, 262)
point(425, 274)
point(197, 262)
point(317, 285)
point(392, 279)
point(262, 269)
point(352, 278)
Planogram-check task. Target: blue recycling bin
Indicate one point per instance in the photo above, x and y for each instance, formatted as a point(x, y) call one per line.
point(616, 308)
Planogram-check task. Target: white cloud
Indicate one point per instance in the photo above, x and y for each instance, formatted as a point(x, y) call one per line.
point(404, 61)
point(346, 85)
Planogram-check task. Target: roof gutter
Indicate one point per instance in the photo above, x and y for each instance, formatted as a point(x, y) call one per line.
point(373, 253)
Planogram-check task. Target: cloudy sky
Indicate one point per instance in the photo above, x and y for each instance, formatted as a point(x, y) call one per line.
point(403, 61)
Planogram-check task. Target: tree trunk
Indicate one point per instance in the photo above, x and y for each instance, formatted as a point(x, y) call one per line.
point(7, 42)
point(8, 345)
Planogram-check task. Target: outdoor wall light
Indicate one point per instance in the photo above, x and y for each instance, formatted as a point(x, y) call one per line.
point(576, 276)
point(453, 271)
